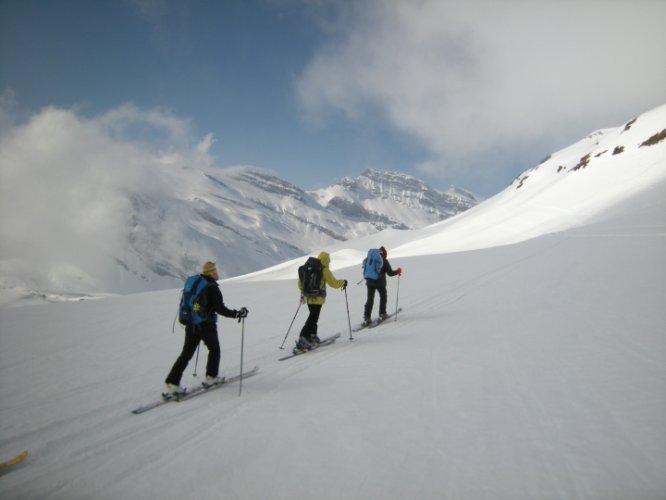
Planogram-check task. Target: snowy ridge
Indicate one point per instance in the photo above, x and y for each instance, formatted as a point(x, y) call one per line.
point(394, 200)
point(566, 190)
point(245, 218)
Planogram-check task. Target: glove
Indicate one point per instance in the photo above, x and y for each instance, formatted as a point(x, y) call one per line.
point(399, 271)
point(242, 313)
point(344, 284)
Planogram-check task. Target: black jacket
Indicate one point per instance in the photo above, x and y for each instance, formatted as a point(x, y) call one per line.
point(214, 303)
point(386, 269)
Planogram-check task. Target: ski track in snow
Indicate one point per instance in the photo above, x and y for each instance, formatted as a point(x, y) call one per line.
point(504, 377)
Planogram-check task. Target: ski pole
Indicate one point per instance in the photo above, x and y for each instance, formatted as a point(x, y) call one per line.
point(173, 327)
point(300, 302)
point(397, 296)
point(175, 317)
point(348, 317)
point(196, 362)
point(240, 387)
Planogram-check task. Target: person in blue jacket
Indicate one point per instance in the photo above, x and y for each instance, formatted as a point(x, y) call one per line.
point(379, 285)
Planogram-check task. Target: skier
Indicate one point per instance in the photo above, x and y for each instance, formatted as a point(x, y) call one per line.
point(213, 304)
point(308, 338)
point(379, 285)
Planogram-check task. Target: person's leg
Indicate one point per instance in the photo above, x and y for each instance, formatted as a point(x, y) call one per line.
point(210, 338)
point(382, 300)
point(311, 324)
point(309, 330)
point(189, 348)
point(370, 302)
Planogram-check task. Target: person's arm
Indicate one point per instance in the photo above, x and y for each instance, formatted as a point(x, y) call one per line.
point(389, 270)
point(332, 280)
point(217, 303)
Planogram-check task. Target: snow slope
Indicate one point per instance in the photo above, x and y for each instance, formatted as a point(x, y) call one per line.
point(528, 371)
point(564, 191)
point(531, 365)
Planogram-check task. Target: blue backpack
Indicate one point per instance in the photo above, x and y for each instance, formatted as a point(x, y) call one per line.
point(372, 264)
point(191, 310)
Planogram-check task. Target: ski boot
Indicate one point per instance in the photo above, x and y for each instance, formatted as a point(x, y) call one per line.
point(211, 381)
point(303, 345)
point(173, 391)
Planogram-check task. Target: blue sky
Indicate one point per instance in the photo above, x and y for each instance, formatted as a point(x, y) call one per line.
point(469, 93)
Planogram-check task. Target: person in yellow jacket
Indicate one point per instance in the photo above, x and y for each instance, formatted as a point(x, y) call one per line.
point(308, 337)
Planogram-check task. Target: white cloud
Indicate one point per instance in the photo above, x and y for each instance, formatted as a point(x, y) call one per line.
point(472, 79)
point(66, 180)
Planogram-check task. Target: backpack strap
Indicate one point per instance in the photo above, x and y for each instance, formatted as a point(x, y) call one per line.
point(199, 295)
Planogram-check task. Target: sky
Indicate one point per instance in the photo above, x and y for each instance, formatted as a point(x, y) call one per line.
point(464, 93)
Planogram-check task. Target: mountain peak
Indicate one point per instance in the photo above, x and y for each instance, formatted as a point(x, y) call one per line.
point(393, 199)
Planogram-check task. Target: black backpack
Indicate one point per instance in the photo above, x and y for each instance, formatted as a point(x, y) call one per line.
point(311, 274)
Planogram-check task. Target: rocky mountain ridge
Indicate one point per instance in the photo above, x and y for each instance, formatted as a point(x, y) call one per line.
point(244, 218)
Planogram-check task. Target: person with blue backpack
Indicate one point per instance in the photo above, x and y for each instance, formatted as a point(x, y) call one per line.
point(375, 268)
point(200, 304)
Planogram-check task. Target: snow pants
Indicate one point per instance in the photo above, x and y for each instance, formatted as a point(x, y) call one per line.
point(193, 335)
point(310, 327)
point(370, 302)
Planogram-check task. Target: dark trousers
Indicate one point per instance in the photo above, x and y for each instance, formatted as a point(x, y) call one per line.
point(194, 335)
point(372, 287)
point(310, 327)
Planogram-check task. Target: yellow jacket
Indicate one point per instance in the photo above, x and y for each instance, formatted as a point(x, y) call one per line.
point(327, 279)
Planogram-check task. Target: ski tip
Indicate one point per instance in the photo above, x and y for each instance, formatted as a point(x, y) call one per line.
point(14, 461)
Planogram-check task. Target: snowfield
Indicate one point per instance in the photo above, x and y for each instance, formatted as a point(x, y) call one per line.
point(525, 369)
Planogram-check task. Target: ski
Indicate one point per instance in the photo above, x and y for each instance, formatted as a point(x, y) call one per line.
point(379, 321)
point(195, 391)
point(14, 461)
point(376, 322)
point(324, 342)
point(203, 389)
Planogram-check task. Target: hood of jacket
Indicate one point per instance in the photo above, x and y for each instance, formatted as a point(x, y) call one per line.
point(325, 258)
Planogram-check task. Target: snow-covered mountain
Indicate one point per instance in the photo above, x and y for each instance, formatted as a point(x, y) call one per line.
point(394, 200)
point(568, 189)
point(244, 218)
point(247, 219)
